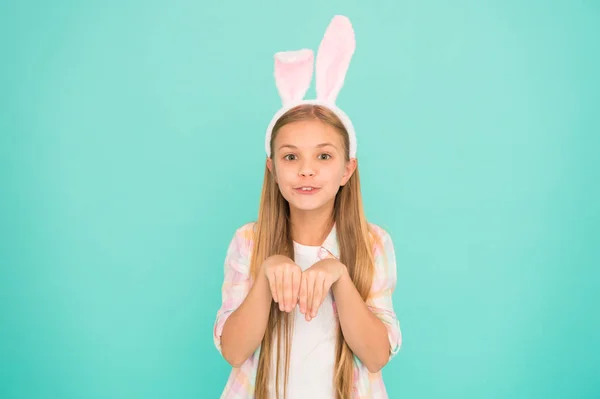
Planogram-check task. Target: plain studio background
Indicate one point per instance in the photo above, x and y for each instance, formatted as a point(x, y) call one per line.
point(131, 148)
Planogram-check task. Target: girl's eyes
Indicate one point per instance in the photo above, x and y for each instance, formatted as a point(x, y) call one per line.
point(291, 157)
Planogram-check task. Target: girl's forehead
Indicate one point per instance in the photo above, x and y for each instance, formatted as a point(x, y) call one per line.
point(307, 132)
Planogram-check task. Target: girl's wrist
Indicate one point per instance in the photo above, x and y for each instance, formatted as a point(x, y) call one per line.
point(342, 273)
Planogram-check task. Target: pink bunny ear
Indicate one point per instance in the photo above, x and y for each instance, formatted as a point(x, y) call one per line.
point(293, 73)
point(333, 59)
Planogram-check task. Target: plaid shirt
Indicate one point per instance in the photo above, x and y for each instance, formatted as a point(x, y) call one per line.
point(237, 283)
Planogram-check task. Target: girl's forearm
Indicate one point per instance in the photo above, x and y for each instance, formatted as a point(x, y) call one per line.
point(245, 327)
point(364, 333)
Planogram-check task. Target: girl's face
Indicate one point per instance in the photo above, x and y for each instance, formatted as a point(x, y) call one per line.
point(309, 164)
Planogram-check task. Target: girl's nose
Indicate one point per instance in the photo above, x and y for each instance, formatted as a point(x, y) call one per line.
point(307, 169)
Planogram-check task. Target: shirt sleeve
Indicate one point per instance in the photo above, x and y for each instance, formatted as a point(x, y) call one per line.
point(236, 283)
point(384, 283)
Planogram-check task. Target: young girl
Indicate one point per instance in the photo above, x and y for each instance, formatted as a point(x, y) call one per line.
point(307, 298)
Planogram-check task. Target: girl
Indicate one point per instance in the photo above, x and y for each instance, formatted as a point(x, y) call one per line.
point(307, 298)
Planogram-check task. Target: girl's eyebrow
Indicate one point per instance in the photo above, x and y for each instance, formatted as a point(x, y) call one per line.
point(318, 146)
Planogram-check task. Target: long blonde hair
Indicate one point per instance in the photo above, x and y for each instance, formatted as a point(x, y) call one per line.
point(272, 236)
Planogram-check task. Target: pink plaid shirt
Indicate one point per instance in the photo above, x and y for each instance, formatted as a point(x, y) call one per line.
point(237, 283)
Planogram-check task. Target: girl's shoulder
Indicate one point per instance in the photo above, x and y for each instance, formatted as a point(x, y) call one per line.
point(246, 230)
point(378, 233)
point(377, 230)
point(243, 238)
point(381, 241)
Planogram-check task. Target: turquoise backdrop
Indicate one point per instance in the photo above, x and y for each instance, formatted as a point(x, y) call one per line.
point(131, 148)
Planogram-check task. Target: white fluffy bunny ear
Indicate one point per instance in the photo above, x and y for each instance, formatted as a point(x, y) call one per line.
point(333, 58)
point(293, 74)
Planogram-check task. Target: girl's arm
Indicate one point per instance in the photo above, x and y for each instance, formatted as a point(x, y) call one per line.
point(371, 328)
point(245, 327)
point(363, 331)
point(242, 318)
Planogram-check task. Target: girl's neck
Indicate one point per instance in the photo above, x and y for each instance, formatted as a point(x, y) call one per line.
point(311, 228)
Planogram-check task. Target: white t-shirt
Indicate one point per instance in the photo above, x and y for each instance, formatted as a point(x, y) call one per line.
point(312, 357)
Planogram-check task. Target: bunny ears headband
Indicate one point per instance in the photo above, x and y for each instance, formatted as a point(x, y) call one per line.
point(294, 71)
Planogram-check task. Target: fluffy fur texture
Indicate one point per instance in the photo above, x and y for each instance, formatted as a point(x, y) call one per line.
point(294, 70)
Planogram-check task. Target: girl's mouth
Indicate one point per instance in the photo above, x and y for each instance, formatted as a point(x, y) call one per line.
point(307, 190)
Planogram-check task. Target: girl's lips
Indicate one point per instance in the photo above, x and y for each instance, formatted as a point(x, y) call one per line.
point(307, 190)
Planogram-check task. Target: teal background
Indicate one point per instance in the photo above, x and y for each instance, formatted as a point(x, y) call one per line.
point(131, 148)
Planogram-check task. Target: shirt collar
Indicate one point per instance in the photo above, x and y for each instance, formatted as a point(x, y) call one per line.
point(331, 243)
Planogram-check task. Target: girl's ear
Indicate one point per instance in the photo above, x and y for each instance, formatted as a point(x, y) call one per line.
point(271, 169)
point(350, 168)
point(270, 164)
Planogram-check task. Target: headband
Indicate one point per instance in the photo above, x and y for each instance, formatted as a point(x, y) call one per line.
point(294, 70)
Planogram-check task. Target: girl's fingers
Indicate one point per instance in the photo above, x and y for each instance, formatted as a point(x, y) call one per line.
point(273, 286)
point(287, 289)
point(303, 293)
point(279, 285)
point(317, 296)
point(296, 277)
point(310, 292)
point(326, 286)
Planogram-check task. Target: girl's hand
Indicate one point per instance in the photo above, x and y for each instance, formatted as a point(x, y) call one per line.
point(315, 285)
point(284, 278)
